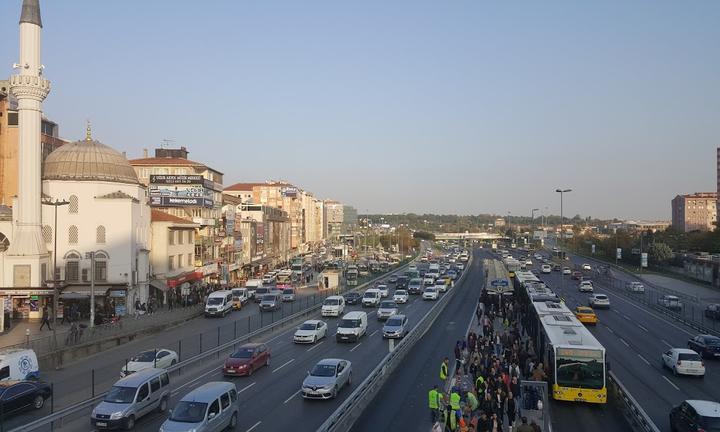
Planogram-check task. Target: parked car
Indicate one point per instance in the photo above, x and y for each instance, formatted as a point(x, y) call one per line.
point(695, 415)
point(712, 311)
point(387, 309)
point(395, 327)
point(670, 302)
point(635, 287)
point(247, 359)
point(683, 361)
point(352, 298)
point(585, 286)
point(157, 358)
point(597, 301)
point(19, 395)
point(310, 331)
point(705, 345)
point(326, 379)
point(400, 296)
point(212, 407)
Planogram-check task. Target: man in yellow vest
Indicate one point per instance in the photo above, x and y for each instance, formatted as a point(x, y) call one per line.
point(455, 400)
point(444, 369)
point(435, 401)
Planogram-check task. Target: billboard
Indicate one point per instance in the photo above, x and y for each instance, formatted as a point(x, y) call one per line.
point(180, 191)
point(289, 192)
point(165, 201)
point(176, 179)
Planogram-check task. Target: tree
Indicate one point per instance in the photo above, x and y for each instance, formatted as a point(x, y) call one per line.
point(423, 235)
point(660, 253)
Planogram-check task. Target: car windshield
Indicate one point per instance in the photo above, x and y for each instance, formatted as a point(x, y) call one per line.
point(145, 356)
point(710, 424)
point(429, 289)
point(308, 326)
point(400, 292)
point(323, 370)
point(688, 357)
point(243, 353)
point(189, 412)
point(581, 369)
point(268, 297)
point(262, 291)
point(370, 294)
point(288, 291)
point(394, 322)
point(349, 323)
point(214, 301)
point(712, 341)
point(120, 394)
point(388, 305)
point(331, 302)
point(601, 297)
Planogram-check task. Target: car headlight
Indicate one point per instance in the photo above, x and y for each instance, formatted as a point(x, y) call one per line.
point(116, 415)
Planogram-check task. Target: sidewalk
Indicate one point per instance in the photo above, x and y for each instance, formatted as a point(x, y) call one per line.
point(703, 292)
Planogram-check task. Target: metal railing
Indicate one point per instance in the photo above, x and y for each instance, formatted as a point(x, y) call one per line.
point(57, 417)
point(631, 409)
point(350, 410)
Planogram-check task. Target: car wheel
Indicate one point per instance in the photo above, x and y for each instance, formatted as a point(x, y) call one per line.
point(163, 405)
point(314, 339)
point(38, 402)
point(233, 422)
point(173, 363)
point(250, 371)
point(267, 361)
point(675, 372)
point(349, 381)
point(130, 423)
point(334, 392)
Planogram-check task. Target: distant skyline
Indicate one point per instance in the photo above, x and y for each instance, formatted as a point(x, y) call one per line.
point(458, 107)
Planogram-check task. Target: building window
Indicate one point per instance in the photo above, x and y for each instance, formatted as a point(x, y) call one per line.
point(100, 271)
point(73, 234)
point(72, 271)
point(191, 237)
point(100, 235)
point(171, 238)
point(47, 233)
point(181, 238)
point(190, 260)
point(74, 206)
point(180, 261)
point(171, 262)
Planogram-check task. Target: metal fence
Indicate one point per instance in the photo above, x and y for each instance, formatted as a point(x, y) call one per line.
point(631, 409)
point(85, 388)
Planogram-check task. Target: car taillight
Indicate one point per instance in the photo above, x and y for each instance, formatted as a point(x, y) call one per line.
point(700, 429)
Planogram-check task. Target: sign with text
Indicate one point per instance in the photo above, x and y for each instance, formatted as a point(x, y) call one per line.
point(618, 253)
point(163, 201)
point(499, 283)
point(644, 259)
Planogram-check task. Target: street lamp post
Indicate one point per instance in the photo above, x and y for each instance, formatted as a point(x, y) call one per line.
point(532, 216)
point(562, 217)
point(57, 203)
point(91, 257)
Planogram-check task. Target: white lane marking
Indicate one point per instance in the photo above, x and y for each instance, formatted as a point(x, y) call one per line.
point(369, 314)
point(627, 317)
point(624, 343)
point(610, 330)
point(644, 359)
point(195, 380)
point(292, 396)
point(355, 347)
point(283, 365)
point(254, 426)
point(642, 328)
point(373, 333)
point(246, 387)
point(666, 343)
point(315, 346)
point(671, 383)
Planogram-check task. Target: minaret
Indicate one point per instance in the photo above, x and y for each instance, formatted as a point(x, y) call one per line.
point(27, 248)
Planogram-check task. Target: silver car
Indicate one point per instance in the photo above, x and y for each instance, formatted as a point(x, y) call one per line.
point(387, 309)
point(395, 327)
point(326, 379)
point(209, 408)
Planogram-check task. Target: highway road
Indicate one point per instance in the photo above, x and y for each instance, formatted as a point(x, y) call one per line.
point(634, 336)
point(401, 405)
point(74, 383)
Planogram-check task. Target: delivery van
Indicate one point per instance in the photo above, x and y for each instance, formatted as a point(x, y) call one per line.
point(18, 364)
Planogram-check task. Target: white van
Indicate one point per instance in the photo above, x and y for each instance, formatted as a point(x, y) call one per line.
point(333, 306)
point(18, 364)
point(252, 285)
point(219, 303)
point(351, 327)
point(269, 279)
point(371, 298)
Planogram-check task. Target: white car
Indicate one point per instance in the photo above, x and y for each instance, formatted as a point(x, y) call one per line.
point(683, 361)
point(400, 296)
point(383, 290)
point(586, 267)
point(333, 306)
point(598, 301)
point(430, 293)
point(585, 286)
point(310, 331)
point(566, 271)
point(635, 287)
point(440, 285)
point(429, 281)
point(546, 269)
point(528, 262)
point(386, 309)
point(159, 358)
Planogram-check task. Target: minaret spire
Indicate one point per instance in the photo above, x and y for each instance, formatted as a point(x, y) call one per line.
point(31, 12)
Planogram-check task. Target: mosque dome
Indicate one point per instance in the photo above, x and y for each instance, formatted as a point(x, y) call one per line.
point(88, 160)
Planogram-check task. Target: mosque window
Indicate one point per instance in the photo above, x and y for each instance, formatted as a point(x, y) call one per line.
point(47, 233)
point(73, 234)
point(74, 206)
point(100, 235)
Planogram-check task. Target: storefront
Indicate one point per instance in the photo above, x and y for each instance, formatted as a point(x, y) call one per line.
point(109, 300)
point(179, 288)
point(26, 303)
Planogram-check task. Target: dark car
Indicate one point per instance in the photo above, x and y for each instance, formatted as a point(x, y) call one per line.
point(556, 267)
point(705, 345)
point(260, 292)
point(576, 275)
point(17, 396)
point(247, 359)
point(352, 298)
point(402, 282)
point(712, 311)
point(695, 415)
point(393, 279)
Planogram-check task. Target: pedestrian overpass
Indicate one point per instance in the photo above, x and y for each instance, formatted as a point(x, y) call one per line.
point(468, 236)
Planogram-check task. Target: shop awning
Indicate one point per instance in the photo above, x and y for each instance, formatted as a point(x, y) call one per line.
point(159, 284)
point(185, 277)
point(74, 296)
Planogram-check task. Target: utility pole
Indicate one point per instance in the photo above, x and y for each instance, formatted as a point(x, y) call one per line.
point(55, 204)
point(562, 216)
point(91, 257)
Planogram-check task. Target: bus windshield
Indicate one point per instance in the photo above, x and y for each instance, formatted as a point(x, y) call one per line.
point(580, 369)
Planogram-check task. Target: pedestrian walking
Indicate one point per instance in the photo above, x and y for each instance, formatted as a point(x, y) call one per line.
point(444, 369)
point(45, 318)
point(435, 399)
point(511, 411)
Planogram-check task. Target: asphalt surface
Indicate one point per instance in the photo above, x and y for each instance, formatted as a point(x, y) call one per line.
point(74, 383)
point(635, 335)
point(401, 404)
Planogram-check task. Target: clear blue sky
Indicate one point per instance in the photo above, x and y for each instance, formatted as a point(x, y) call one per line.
point(400, 106)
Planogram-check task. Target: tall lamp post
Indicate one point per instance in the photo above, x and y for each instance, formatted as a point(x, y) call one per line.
point(532, 216)
point(57, 203)
point(562, 217)
point(91, 257)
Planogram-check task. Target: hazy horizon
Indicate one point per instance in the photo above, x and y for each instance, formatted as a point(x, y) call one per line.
point(403, 107)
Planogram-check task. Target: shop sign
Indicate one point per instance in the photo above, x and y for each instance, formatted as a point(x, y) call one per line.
point(208, 269)
point(176, 179)
point(26, 293)
point(118, 293)
point(169, 201)
point(233, 267)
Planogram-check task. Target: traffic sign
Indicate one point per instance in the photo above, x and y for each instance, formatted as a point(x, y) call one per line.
point(499, 282)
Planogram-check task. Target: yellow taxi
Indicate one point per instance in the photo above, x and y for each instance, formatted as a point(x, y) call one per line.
point(586, 315)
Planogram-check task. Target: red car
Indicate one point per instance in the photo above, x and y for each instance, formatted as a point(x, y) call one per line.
point(577, 275)
point(247, 359)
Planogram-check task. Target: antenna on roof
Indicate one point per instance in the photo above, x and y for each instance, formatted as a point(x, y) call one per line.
point(166, 142)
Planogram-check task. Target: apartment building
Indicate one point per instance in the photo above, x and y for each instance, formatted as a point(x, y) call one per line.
point(694, 212)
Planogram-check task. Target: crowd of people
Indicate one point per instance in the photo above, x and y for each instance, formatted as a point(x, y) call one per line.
point(483, 395)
